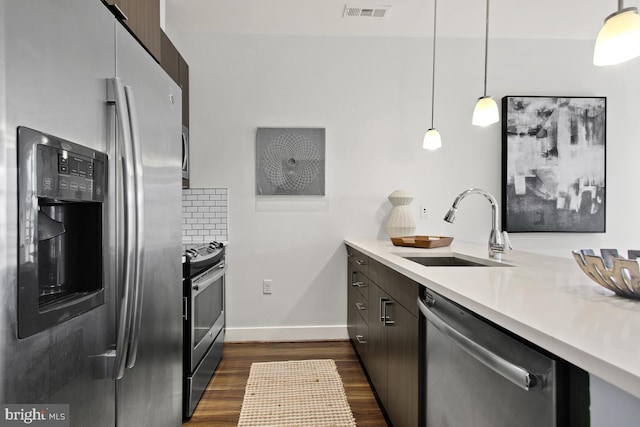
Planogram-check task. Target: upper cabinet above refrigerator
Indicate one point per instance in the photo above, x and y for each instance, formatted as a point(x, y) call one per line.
point(175, 65)
point(142, 19)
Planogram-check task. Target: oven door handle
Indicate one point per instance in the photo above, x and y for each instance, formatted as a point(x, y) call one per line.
point(517, 375)
point(207, 279)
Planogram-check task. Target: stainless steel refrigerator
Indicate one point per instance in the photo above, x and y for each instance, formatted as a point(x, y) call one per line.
point(90, 270)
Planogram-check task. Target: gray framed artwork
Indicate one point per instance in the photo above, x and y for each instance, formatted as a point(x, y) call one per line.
point(554, 164)
point(290, 161)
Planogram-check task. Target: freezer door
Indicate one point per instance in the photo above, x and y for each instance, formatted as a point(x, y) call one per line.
point(54, 62)
point(150, 392)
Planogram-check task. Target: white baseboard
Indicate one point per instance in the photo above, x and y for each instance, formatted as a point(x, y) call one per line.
point(289, 333)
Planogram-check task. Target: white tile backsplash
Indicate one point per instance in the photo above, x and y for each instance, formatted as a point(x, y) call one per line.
point(204, 215)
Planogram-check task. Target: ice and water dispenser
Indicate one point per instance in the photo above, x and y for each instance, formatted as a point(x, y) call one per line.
point(61, 188)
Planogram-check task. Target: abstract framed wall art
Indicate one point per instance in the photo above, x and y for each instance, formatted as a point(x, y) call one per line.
point(290, 161)
point(554, 164)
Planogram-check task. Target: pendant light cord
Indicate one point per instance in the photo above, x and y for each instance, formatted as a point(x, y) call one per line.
point(433, 65)
point(486, 48)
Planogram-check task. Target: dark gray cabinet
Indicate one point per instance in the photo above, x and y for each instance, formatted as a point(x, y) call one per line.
point(142, 19)
point(377, 364)
point(176, 66)
point(184, 84)
point(170, 58)
point(402, 367)
point(178, 69)
point(390, 355)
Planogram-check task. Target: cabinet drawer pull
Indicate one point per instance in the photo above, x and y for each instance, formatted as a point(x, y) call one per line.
point(360, 340)
point(360, 306)
point(358, 284)
point(385, 316)
point(361, 262)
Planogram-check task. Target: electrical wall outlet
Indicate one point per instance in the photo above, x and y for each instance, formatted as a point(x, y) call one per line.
point(266, 286)
point(423, 212)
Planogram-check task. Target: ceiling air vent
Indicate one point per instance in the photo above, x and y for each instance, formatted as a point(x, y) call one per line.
point(366, 12)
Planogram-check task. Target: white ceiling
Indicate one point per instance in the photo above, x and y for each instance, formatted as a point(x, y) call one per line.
point(554, 19)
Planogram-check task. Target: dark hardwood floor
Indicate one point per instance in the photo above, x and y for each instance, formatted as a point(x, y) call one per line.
point(221, 402)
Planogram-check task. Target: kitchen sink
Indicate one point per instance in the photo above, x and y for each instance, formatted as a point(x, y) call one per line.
point(452, 261)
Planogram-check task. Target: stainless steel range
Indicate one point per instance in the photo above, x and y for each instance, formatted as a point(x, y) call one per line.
point(204, 269)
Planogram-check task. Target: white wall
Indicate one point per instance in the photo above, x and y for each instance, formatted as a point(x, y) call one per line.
point(370, 97)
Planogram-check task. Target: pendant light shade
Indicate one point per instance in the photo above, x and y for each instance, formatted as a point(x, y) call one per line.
point(619, 39)
point(486, 112)
point(432, 140)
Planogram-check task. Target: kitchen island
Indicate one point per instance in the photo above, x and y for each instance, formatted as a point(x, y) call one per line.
point(545, 300)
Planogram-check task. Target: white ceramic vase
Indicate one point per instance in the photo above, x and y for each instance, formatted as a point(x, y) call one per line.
point(400, 222)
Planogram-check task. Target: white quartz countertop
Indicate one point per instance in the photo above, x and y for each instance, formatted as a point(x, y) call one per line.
point(546, 300)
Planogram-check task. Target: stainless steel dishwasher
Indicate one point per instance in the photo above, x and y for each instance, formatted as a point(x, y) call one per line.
point(475, 374)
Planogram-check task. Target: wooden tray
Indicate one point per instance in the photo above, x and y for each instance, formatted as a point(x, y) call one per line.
point(426, 242)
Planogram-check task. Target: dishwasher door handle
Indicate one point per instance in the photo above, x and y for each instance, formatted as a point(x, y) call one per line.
point(517, 375)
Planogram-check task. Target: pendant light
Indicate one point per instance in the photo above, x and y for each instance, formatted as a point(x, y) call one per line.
point(619, 39)
point(486, 111)
point(432, 139)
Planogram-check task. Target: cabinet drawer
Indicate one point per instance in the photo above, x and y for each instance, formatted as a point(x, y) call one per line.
point(360, 282)
point(358, 260)
point(361, 305)
point(352, 315)
point(373, 271)
point(399, 287)
point(406, 292)
point(361, 341)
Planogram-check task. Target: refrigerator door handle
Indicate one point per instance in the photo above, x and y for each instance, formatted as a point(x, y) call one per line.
point(118, 97)
point(138, 281)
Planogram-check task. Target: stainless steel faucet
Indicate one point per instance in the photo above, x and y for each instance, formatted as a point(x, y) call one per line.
point(498, 240)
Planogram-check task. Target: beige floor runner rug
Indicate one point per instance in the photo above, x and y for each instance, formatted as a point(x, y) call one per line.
point(295, 393)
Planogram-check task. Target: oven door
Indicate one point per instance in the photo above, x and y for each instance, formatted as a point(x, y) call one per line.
point(207, 311)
